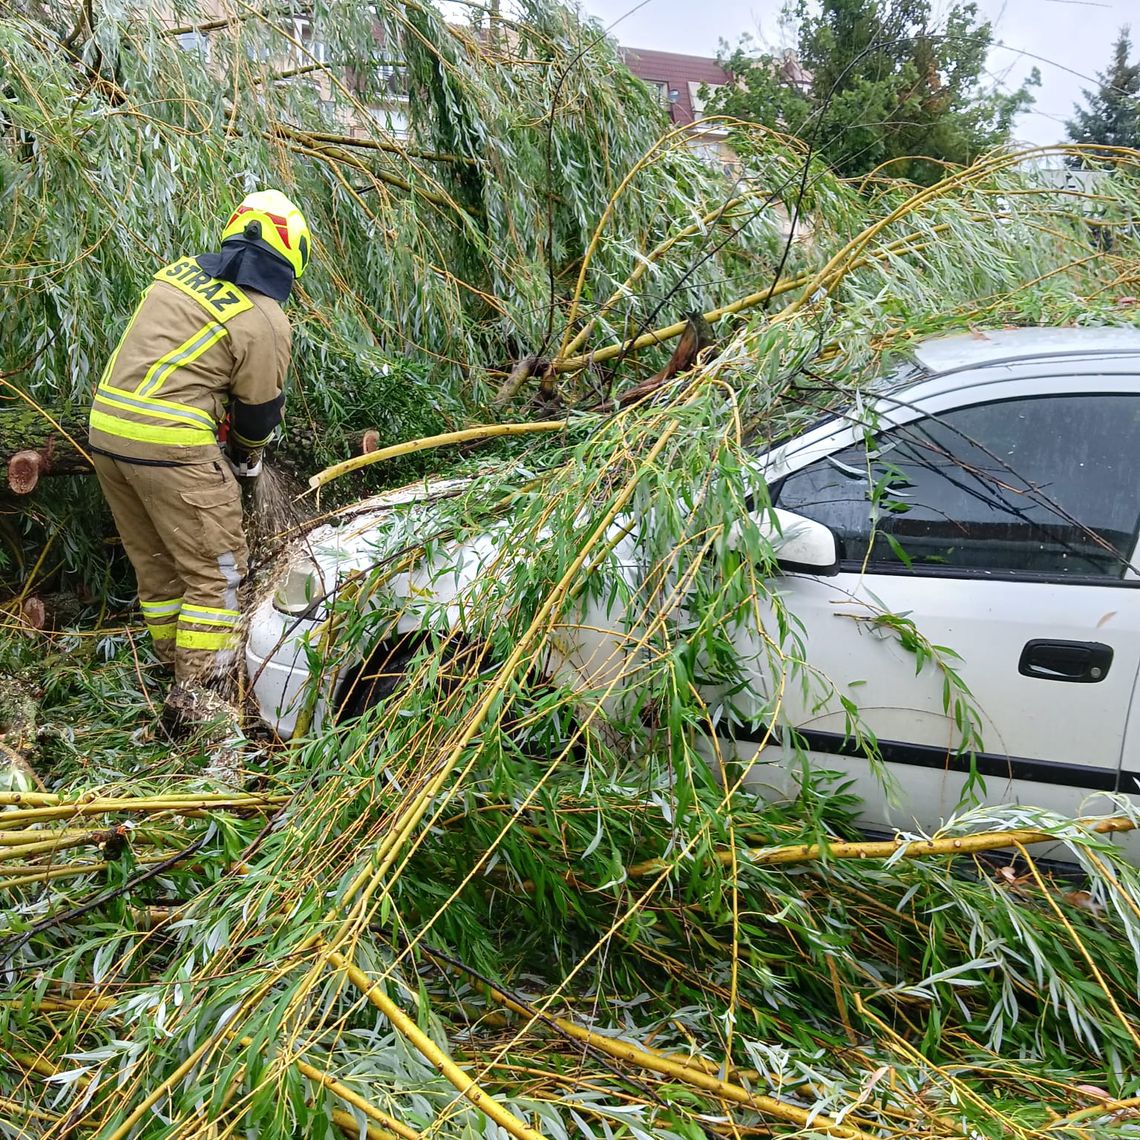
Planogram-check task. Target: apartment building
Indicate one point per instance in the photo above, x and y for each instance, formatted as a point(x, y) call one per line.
point(678, 81)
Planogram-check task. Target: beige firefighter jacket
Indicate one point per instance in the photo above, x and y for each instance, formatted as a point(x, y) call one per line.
point(195, 348)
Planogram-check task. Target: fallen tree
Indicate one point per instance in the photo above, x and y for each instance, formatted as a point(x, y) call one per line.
point(492, 901)
point(36, 444)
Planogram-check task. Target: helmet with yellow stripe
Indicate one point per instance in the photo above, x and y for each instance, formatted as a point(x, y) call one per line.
point(269, 218)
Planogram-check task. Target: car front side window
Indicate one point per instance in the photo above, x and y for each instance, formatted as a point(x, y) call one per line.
point(1043, 485)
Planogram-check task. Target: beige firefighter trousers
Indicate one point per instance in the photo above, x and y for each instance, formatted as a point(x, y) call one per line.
point(182, 530)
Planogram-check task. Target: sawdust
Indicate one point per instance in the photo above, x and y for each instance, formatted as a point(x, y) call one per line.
point(272, 510)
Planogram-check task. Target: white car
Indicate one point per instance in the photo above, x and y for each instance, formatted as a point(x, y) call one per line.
point(989, 494)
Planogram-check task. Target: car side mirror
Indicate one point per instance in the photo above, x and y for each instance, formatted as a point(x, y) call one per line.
point(800, 544)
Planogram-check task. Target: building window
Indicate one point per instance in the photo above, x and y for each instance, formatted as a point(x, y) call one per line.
point(699, 103)
point(390, 120)
point(392, 77)
point(312, 49)
point(194, 41)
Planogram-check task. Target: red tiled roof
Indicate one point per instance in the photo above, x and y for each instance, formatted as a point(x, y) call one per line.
point(677, 72)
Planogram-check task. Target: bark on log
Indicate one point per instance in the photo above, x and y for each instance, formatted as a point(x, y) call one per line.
point(520, 374)
point(31, 447)
point(698, 336)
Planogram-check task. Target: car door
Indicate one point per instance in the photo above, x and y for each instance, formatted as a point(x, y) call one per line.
point(986, 617)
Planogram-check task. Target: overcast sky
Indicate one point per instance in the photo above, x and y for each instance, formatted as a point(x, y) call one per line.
point(1069, 40)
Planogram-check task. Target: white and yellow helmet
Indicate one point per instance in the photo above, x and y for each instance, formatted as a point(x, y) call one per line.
point(282, 226)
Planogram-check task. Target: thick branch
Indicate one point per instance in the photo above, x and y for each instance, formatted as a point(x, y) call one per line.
point(34, 447)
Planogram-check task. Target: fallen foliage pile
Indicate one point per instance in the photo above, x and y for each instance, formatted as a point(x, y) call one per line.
point(493, 904)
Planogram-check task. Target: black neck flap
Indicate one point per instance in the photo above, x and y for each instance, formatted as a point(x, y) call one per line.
point(250, 265)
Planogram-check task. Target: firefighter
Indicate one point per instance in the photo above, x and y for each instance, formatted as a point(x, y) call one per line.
point(208, 344)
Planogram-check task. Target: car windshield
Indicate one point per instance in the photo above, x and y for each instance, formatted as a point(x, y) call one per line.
point(1032, 485)
point(895, 379)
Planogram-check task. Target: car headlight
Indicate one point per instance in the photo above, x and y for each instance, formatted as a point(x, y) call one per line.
point(302, 589)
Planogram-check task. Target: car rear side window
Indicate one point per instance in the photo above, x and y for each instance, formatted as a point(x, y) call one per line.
point(1046, 485)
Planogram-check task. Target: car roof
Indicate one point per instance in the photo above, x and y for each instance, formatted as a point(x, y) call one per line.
point(941, 355)
point(942, 367)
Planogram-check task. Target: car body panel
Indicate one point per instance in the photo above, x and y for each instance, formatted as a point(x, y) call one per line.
point(987, 624)
point(1044, 741)
point(1048, 742)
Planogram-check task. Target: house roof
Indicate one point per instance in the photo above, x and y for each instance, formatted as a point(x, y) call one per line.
point(681, 73)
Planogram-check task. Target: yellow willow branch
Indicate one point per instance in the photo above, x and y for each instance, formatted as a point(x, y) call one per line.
point(51, 845)
point(464, 1084)
point(388, 849)
point(376, 144)
point(47, 416)
point(890, 848)
point(370, 877)
point(155, 1095)
point(713, 217)
point(486, 431)
point(28, 1111)
point(1129, 1028)
point(30, 1063)
point(1106, 1108)
point(28, 876)
point(834, 270)
point(120, 803)
point(347, 1123)
point(683, 1072)
point(391, 1125)
point(325, 152)
point(173, 805)
point(62, 1005)
point(831, 273)
point(959, 1087)
point(339, 81)
point(676, 135)
point(910, 243)
point(24, 836)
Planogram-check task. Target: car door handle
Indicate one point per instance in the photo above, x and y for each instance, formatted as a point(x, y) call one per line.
point(1085, 662)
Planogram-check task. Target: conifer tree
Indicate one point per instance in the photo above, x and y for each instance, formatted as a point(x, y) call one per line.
point(1111, 115)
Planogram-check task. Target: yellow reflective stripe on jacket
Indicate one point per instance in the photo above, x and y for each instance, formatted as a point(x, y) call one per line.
point(150, 433)
point(187, 351)
point(219, 298)
point(200, 639)
point(201, 615)
point(135, 412)
point(154, 407)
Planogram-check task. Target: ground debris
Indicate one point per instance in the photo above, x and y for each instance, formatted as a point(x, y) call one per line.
point(17, 736)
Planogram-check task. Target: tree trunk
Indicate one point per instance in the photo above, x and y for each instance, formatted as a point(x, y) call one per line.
point(33, 447)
